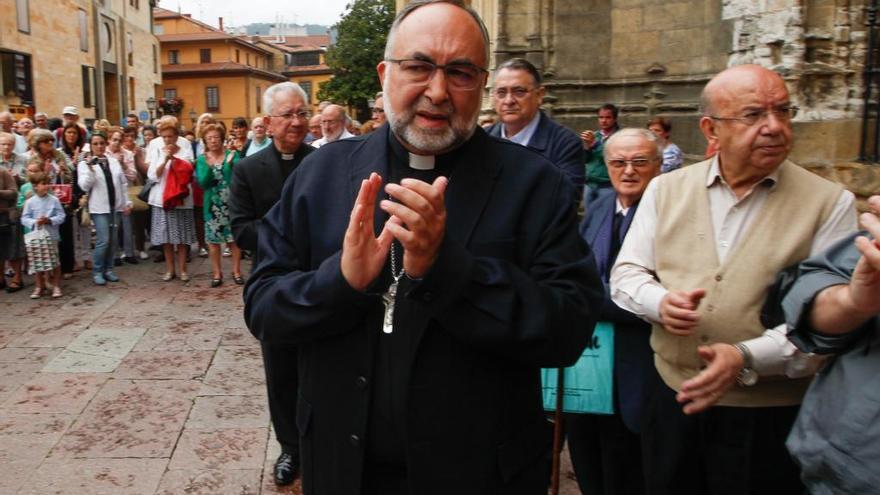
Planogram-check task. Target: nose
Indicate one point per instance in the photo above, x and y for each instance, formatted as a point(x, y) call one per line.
point(773, 123)
point(436, 91)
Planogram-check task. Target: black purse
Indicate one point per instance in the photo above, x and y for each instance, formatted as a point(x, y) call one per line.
point(144, 195)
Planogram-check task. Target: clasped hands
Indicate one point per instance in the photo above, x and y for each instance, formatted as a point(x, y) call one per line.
point(679, 316)
point(417, 220)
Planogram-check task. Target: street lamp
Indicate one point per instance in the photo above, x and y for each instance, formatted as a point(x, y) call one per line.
point(193, 116)
point(151, 106)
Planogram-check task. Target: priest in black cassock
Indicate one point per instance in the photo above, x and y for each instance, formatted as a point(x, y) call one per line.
point(425, 272)
point(256, 186)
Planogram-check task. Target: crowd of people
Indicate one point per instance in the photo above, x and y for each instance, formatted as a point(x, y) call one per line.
point(412, 276)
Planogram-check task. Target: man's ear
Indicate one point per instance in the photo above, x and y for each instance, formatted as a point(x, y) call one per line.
point(707, 126)
point(380, 69)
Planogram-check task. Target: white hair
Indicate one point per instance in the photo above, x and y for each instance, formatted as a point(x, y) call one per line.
point(634, 132)
point(284, 87)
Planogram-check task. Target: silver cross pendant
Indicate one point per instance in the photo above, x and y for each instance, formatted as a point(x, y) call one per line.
point(388, 300)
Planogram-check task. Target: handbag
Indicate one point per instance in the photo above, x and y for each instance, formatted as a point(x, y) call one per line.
point(134, 195)
point(144, 194)
point(64, 193)
point(42, 251)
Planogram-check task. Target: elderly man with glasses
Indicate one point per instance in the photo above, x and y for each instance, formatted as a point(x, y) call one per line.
point(426, 272)
point(256, 186)
point(703, 248)
point(334, 119)
point(517, 97)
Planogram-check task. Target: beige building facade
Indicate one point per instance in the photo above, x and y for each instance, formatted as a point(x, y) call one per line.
point(98, 55)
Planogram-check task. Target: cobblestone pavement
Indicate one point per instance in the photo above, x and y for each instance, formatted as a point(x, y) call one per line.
point(140, 387)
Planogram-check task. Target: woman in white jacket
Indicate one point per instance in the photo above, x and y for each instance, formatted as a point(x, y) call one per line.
point(103, 179)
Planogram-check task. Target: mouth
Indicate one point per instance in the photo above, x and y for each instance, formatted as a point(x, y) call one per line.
point(432, 119)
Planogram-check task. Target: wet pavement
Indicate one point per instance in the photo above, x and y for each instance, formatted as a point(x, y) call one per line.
point(139, 387)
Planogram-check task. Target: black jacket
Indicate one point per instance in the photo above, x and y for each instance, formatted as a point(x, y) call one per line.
point(513, 289)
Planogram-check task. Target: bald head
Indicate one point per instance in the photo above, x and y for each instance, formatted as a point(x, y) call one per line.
point(734, 80)
point(6, 122)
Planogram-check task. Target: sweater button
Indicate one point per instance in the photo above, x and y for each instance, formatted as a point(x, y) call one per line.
point(428, 296)
point(710, 308)
point(355, 440)
point(361, 382)
point(704, 338)
point(718, 278)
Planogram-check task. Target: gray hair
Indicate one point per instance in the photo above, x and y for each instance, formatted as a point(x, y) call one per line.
point(417, 4)
point(633, 132)
point(41, 114)
point(285, 87)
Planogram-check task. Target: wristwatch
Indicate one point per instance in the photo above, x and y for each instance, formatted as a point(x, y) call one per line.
point(747, 376)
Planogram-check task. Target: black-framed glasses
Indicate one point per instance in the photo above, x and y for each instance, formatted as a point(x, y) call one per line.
point(753, 117)
point(302, 115)
point(459, 75)
point(637, 163)
point(517, 93)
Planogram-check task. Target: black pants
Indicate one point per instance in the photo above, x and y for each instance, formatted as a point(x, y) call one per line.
point(725, 450)
point(605, 454)
point(279, 362)
point(66, 246)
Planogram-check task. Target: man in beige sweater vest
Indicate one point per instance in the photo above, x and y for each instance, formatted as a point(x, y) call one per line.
point(704, 246)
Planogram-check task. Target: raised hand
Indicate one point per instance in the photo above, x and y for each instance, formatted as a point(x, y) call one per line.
point(723, 362)
point(363, 254)
point(418, 221)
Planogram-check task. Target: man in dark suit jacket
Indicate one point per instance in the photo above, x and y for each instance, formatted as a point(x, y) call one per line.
point(605, 450)
point(517, 96)
point(256, 186)
point(422, 320)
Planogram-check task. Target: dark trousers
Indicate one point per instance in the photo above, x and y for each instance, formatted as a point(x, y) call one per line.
point(66, 247)
point(140, 222)
point(605, 454)
point(725, 450)
point(279, 362)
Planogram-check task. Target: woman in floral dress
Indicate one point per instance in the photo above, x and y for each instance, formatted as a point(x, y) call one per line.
point(214, 174)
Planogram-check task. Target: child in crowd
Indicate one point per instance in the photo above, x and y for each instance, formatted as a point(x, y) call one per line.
point(44, 211)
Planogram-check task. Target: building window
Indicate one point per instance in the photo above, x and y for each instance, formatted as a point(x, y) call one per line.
point(135, 3)
point(307, 87)
point(88, 86)
point(303, 59)
point(155, 59)
point(129, 48)
point(259, 99)
point(248, 58)
point(158, 29)
point(212, 99)
point(15, 77)
point(237, 56)
point(23, 16)
point(83, 30)
point(173, 57)
point(169, 93)
point(205, 55)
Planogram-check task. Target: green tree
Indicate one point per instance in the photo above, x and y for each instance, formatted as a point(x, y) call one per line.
point(360, 45)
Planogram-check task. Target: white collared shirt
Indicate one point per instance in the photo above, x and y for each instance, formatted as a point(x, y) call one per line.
point(635, 288)
point(524, 136)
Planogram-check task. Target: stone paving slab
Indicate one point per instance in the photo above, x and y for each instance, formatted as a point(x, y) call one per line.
point(54, 393)
point(96, 477)
point(164, 339)
point(109, 342)
point(25, 440)
point(236, 370)
point(174, 365)
point(28, 355)
point(211, 481)
point(230, 448)
point(229, 411)
point(131, 418)
point(13, 375)
point(8, 333)
point(76, 362)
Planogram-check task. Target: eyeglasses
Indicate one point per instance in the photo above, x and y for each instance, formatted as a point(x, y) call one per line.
point(378, 110)
point(302, 115)
point(636, 163)
point(753, 117)
point(517, 93)
point(459, 75)
point(331, 122)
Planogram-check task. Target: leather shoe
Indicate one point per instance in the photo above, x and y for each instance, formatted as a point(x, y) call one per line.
point(286, 469)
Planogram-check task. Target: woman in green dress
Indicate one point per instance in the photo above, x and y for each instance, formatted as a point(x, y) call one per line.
point(214, 174)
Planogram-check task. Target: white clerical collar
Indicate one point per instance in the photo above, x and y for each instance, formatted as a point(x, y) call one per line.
point(421, 162)
point(287, 156)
